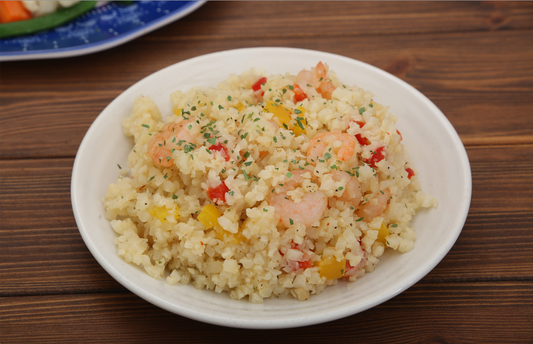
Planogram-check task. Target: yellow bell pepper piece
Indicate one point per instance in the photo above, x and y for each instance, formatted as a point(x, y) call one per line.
point(240, 106)
point(233, 238)
point(280, 112)
point(178, 111)
point(162, 212)
point(331, 268)
point(383, 233)
point(209, 216)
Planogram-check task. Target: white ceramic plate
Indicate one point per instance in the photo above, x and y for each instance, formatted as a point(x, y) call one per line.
point(433, 145)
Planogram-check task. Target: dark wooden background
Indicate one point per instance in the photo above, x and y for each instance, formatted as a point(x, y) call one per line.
point(474, 60)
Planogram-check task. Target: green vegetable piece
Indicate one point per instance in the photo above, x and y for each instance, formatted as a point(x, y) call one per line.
point(49, 21)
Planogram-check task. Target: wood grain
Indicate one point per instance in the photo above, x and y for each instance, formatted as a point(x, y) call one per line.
point(474, 60)
point(423, 313)
point(38, 231)
point(460, 84)
point(231, 20)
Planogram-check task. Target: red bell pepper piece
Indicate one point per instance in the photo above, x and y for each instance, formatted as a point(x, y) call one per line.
point(218, 194)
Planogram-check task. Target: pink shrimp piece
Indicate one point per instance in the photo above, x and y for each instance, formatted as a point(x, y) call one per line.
point(316, 81)
point(352, 189)
point(172, 136)
point(326, 87)
point(375, 207)
point(306, 212)
point(321, 141)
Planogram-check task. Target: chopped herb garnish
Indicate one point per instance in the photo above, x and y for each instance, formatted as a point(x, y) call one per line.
point(146, 125)
point(360, 219)
point(291, 222)
point(220, 107)
point(119, 166)
point(245, 175)
point(229, 98)
point(174, 196)
point(289, 175)
point(265, 210)
point(151, 178)
point(188, 147)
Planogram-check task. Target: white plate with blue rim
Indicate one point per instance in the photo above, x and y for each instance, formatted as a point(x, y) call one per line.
point(99, 29)
point(433, 145)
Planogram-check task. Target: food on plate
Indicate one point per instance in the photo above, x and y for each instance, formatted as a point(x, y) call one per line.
point(266, 186)
point(27, 17)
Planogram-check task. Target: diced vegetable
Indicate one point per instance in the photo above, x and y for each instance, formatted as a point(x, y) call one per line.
point(218, 194)
point(383, 233)
point(280, 112)
point(376, 157)
point(363, 141)
point(299, 95)
point(304, 265)
point(220, 148)
point(240, 106)
point(331, 268)
point(258, 83)
point(209, 216)
point(162, 212)
point(12, 11)
point(61, 16)
point(410, 172)
point(232, 238)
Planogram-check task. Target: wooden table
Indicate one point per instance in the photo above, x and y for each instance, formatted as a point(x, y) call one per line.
point(474, 60)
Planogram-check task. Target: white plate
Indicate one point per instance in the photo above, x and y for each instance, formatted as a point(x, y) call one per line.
point(433, 145)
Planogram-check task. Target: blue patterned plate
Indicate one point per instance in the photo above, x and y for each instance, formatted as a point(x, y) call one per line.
point(99, 29)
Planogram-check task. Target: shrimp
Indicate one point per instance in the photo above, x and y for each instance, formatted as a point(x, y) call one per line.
point(172, 136)
point(316, 81)
point(375, 207)
point(306, 212)
point(321, 141)
point(352, 189)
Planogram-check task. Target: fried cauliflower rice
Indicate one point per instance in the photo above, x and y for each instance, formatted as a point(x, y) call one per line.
point(266, 186)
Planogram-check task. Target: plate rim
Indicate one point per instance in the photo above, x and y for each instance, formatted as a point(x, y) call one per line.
point(303, 320)
point(104, 44)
